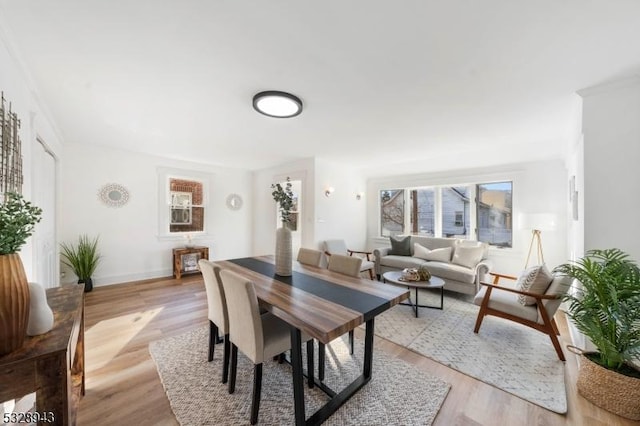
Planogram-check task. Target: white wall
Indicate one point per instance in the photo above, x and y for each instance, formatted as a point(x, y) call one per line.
point(20, 92)
point(538, 187)
point(611, 128)
point(341, 215)
point(337, 216)
point(264, 216)
point(129, 235)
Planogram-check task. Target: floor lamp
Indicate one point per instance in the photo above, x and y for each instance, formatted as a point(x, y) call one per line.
point(537, 222)
point(535, 239)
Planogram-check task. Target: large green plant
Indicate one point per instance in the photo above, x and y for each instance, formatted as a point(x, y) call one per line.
point(284, 197)
point(18, 218)
point(607, 306)
point(83, 258)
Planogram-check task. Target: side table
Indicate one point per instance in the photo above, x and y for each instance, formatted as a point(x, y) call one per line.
point(50, 364)
point(185, 260)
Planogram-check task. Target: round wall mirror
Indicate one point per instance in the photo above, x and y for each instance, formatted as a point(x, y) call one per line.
point(234, 201)
point(113, 195)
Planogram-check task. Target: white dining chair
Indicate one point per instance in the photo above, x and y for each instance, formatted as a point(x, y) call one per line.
point(259, 337)
point(332, 247)
point(309, 256)
point(217, 312)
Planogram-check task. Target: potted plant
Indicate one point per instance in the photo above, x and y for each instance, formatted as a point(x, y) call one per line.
point(284, 197)
point(17, 221)
point(606, 309)
point(83, 259)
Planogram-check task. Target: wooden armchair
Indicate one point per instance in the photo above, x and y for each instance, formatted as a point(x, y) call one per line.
point(502, 301)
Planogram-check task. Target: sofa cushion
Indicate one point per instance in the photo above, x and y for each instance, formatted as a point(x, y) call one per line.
point(505, 301)
point(400, 247)
point(438, 255)
point(535, 279)
point(452, 272)
point(401, 262)
point(471, 243)
point(467, 256)
point(433, 243)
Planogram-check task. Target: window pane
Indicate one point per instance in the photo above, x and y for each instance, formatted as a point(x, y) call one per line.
point(423, 212)
point(455, 211)
point(186, 213)
point(391, 212)
point(494, 212)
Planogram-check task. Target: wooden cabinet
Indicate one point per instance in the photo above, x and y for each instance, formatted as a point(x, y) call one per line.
point(185, 260)
point(51, 364)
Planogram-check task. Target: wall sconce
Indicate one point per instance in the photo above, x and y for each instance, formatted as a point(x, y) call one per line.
point(359, 195)
point(328, 191)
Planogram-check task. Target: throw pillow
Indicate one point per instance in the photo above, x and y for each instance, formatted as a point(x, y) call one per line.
point(401, 247)
point(420, 251)
point(437, 255)
point(467, 256)
point(535, 279)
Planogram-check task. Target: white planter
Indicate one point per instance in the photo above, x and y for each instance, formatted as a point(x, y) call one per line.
point(40, 314)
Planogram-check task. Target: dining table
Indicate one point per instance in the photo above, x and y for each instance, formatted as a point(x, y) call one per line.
point(324, 305)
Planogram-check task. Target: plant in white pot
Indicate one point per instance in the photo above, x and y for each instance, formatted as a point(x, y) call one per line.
point(606, 309)
point(284, 256)
point(17, 222)
point(83, 259)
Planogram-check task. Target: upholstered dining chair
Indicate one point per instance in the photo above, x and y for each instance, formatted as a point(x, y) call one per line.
point(332, 247)
point(309, 256)
point(217, 312)
point(510, 302)
point(345, 265)
point(259, 337)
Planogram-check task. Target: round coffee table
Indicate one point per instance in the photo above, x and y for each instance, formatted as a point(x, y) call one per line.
point(394, 277)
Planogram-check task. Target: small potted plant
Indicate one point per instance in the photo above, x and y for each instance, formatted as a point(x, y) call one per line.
point(606, 308)
point(83, 259)
point(18, 218)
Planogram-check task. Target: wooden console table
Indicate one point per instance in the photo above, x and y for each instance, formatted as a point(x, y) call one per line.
point(185, 260)
point(51, 364)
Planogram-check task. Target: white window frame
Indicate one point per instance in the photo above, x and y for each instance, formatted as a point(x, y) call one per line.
point(164, 176)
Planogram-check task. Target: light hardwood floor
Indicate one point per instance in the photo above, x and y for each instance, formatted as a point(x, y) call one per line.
point(123, 387)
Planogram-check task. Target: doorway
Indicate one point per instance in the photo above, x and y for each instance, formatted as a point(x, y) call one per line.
point(45, 259)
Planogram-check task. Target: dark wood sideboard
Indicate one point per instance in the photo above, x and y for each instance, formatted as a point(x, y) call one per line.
point(51, 364)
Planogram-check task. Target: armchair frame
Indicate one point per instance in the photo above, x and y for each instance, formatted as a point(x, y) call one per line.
point(549, 325)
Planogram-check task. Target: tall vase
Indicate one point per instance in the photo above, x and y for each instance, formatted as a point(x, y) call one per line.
point(283, 251)
point(40, 313)
point(14, 303)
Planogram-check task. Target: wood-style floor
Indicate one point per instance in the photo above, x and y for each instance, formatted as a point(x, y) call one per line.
point(123, 387)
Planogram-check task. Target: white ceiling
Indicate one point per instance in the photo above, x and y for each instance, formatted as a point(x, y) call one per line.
point(430, 83)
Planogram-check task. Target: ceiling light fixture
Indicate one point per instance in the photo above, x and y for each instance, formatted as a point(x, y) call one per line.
point(277, 104)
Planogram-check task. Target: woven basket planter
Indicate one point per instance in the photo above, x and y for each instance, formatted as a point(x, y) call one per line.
point(607, 389)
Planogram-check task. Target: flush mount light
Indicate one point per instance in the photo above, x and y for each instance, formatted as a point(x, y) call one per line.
point(277, 104)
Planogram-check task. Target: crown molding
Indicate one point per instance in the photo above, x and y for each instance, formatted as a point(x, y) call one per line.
point(619, 83)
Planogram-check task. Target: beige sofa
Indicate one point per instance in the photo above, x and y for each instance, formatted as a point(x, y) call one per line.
point(462, 269)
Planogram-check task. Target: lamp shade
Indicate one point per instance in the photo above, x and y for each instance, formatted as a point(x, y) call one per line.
point(277, 104)
point(539, 221)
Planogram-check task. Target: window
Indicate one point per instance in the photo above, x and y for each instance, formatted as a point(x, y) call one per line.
point(476, 211)
point(494, 212)
point(186, 207)
point(391, 212)
point(423, 212)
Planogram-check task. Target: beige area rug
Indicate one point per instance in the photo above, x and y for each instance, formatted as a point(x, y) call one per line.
point(397, 395)
point(504, 354)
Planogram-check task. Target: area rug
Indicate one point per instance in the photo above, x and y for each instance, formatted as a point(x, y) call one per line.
point(398, 394)
point(504, 354)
